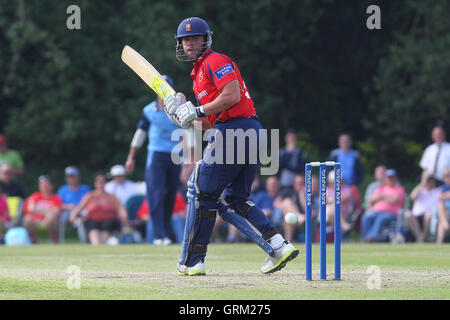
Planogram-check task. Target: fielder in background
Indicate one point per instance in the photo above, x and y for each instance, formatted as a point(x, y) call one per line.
point(162, 176)
point(224, 103)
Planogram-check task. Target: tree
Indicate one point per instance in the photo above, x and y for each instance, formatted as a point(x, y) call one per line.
point(411, 88)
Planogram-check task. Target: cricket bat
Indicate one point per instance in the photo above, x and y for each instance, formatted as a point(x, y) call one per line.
point(147, 72)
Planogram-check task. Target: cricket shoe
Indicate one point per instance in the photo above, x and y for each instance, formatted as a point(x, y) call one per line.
point(282, 255)
point(197, 270)
point(163, 242)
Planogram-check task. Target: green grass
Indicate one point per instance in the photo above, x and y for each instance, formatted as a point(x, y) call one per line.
point(408, 271)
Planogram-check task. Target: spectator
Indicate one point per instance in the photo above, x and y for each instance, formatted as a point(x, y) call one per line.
point(256, 187)
point(177, 220)
point(269, 200)
point(120, 186)
point(12, 157)
point(379, 175)
point(71, 194)
point(292, 162)
point(385, 203)
point(9, 187)
point(352, 169)
point(444, 207)
point(4, 215)
point(43, 209)
point(425, 197)
point(294, 203)
point(348, 204)
point(103, 212)
point(436, 156)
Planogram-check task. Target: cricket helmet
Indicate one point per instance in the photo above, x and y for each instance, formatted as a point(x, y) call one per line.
point(189, 27)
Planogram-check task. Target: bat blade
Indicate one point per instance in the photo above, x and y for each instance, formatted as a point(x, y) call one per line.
point(146, 72)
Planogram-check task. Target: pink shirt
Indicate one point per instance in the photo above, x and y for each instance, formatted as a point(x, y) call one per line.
point(4, 211)
point(385, 206)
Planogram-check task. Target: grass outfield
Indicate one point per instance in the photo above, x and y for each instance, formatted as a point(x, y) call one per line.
point(407, 271)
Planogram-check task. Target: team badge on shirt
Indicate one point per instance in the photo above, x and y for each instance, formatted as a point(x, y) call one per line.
point(200, 76)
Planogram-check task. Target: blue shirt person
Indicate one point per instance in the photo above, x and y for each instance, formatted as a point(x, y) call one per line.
point(351, 166)
point(71, 194)
point(162, 176)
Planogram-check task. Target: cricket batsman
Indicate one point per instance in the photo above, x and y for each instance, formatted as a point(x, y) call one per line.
point(223, 103)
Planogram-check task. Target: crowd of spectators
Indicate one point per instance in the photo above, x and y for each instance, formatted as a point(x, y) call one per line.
point(105, 214)
point(116, 208)
point(384, 213)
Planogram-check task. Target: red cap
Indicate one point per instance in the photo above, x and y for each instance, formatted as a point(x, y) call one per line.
point(2, 139)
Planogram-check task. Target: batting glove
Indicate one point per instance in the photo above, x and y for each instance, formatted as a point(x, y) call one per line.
point(172, 102)
point(186, 113)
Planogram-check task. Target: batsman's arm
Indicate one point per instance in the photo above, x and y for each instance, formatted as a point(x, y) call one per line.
point(228, 97)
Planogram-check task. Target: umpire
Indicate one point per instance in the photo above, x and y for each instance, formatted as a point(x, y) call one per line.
point(162, 176)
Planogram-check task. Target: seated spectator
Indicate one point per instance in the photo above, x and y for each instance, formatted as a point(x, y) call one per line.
point(269, 200)
point(352, 169)
point(43, 209)
point(120, 186)
point(385, 203)
point(294, 203)
point(103, 212)
point(4, 215)
point(177, 221)
point(348, 204)
point(12, 157)
point(425, 197)
point(291, 162)
point(71, 194)
point(256, 187)
point(9, 187)
point(379, 175)
point(444, 208)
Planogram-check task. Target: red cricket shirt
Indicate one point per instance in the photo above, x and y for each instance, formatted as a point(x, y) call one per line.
point(211, 72)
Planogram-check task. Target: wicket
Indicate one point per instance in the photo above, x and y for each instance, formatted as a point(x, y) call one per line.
point(322, 213)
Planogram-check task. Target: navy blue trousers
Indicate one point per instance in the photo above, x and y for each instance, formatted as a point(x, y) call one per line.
point(234, 180)
point(162, 177)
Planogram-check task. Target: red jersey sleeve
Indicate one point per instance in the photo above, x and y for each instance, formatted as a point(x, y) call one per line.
point(221, 70)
